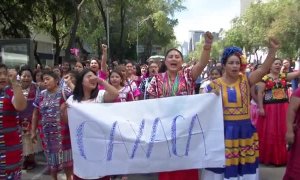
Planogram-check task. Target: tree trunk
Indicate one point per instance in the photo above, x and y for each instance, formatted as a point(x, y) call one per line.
point(122, 21)
point(55, 35)
point(101, 9)
point(36, 56)
point(73, 30)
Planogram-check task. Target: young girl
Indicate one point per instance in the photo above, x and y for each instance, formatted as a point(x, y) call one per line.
point(86, 91)
point(116, 79)
point(214, 73)
point(128, 82)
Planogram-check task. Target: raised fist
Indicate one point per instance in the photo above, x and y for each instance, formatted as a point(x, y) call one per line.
point(208, 37)
point(274, 43)
point(104, 47)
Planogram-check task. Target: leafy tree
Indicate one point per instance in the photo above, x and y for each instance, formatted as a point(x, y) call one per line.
point(54, 18)
point(14, 18)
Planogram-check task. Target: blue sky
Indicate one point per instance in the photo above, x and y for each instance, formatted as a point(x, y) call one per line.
point(206, 15)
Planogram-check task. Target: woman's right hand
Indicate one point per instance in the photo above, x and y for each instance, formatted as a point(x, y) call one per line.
point(261, 112)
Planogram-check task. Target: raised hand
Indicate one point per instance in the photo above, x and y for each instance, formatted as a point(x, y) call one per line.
point(208, 37)
point(104, 47)
point(274, 43)
point(12, 75)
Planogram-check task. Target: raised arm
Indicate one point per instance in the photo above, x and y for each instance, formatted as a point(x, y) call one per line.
point(204, 58)
point(111, 93)
point(19, 101)
point(293, 75)
point(258, 74)
point(104, 58)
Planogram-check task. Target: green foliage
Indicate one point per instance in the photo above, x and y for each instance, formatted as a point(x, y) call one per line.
point(278, 18)
point(14, 18)
point(56, 19)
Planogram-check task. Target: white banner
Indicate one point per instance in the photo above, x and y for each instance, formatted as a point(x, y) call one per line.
point(175, 133)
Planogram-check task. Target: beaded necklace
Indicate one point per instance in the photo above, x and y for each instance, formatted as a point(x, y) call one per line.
point(168, 89)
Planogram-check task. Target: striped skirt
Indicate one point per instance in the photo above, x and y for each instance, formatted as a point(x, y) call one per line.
point(241, 153)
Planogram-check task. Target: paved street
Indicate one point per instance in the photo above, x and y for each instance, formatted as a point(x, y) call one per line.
point(266, 173)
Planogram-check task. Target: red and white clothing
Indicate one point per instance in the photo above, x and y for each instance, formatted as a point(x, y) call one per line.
point(125, 94)
point(10, 138)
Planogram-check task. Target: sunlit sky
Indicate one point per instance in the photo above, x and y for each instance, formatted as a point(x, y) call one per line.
point(206, 15)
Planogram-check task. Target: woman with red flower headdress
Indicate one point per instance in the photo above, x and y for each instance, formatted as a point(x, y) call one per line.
point(271, 126)
point(241, 140)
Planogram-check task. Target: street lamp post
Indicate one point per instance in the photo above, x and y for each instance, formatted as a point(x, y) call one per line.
point(138, 23)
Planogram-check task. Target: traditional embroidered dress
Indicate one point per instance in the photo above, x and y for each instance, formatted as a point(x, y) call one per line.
point(143, 87)
point(55, 133)
point(25, 120)
point(241, 140)
point(10, 138)
point(272, 127)
point(293, 165)
point(133, 88)
point(125, 95)
point(161, 86)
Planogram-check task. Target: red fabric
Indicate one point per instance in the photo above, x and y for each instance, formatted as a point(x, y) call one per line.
point(271, 131)
point(102, 75)
point(9, 157)
point(293, 166)
point(191, 174)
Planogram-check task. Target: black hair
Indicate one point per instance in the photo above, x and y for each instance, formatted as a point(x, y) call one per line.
point(98, 62)
point(82, 63)
point(78, 90)
point(118, 71)
point(173, 49)
point(214, 68)
point(128, 62)
point(50, 73)
point(162, 68)
point(25, 68)
point(278, 59)
point(3, 66)
point(34, 75)
point(138, 70)
point(67, 63)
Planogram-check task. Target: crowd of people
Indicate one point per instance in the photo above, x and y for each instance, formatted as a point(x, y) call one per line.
point(257, 127)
